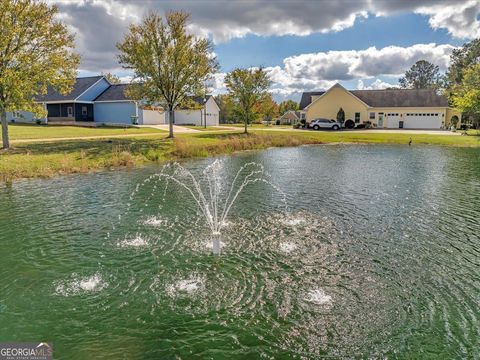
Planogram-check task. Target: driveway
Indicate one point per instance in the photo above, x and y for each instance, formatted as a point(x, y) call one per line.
point(176, 129)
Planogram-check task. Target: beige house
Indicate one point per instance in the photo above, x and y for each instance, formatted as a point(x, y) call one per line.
point(389, 108)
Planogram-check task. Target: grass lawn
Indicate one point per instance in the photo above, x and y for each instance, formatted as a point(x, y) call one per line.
point(208, 128)
point(30, 131)
point(261, 126)
point(44, 159)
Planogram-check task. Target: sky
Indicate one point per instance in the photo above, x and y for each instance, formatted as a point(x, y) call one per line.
point(303, 45)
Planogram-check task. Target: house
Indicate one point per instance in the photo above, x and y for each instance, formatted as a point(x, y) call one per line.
point(94, 99)
point(76, 106)
point(291, 117)
point(389, 108)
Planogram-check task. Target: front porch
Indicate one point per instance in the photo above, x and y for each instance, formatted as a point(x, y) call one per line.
point(70, 112)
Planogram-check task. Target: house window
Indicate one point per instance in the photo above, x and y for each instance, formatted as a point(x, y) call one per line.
point(372, 116)
point(357, 117)
point(84, 111)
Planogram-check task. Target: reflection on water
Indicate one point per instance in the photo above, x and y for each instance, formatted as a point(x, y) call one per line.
point(376, 256)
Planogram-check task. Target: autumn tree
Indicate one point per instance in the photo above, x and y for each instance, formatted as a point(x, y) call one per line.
point(169, 64)
point(247, 87)
point(287, 105)
point(36, 52)
point(422, 75)
point(267, 108)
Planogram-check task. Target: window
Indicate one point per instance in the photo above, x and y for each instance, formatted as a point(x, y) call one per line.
point(357, 117)
point(84, 111)
point(372, 116)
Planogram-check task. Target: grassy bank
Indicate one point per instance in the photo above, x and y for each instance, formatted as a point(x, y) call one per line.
point(28, 131)
point(47, 159)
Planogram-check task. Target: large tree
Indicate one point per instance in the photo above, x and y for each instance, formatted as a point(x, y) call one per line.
point(169, 64)
point(287, 105)
point(247, 87)
point(460, 60)
point(36, 52)
point(466, 95)
point(422, 75)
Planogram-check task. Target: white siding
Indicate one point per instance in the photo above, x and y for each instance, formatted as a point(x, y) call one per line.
point(188, 117)
point(153, 117)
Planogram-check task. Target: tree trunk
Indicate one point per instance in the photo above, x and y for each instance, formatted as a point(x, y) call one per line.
point(6, 142)
point(171, 120)
point(246, 122)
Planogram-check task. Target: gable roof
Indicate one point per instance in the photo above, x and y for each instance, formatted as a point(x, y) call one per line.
point(401, 98)
point(307, 98)
point(389, 98)
point(114, 93)
point(81, 85)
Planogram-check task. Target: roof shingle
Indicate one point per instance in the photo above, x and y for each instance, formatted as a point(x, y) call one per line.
point(81, 85)
point(389, 98)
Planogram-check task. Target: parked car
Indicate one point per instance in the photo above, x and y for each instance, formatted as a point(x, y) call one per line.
point(318, 124)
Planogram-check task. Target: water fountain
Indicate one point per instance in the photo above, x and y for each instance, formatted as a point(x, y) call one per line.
point(209, 192)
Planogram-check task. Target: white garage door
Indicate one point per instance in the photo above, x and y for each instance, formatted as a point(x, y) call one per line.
point(423, 121)
point(393, 120)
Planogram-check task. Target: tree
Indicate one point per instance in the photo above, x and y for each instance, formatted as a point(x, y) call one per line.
point(466, 95)
point(226, 106)
point(422, 75)
point(112, 79)
point(461, 59)
point(341, 116)
point(35, 54)
point(247, 87)
point(267, 108)
point(287, 105)
point(169, 64)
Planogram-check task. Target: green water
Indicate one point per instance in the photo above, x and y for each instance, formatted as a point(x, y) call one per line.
point(377, 255)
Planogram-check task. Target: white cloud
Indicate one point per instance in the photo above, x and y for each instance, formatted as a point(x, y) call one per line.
point(100, 24)
point(460, 19)
point(319, 71)
point(376, 85)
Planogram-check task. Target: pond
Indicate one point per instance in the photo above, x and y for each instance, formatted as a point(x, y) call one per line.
point(374, 251)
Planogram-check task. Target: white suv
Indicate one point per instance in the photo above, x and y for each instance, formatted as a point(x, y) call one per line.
point(318, 124)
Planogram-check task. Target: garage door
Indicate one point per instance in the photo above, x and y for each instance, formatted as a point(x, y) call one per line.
point(423, 121)
point(393, 120)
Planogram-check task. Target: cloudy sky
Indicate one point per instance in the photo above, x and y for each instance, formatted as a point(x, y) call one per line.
point(304, 45)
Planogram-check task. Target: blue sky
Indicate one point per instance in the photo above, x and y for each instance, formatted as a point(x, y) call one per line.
point(402, 30)
point(304, 45)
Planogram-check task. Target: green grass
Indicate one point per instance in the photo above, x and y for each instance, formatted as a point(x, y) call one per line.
point(261, 126)
point(208, 128)
point(45, 159)
point(29, 131)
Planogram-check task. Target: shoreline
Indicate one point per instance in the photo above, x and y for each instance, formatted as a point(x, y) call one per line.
point(46, 159)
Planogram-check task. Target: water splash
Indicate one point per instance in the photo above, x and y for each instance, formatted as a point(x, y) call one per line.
point(80, 285)
point(210, 193)
point(318, 297)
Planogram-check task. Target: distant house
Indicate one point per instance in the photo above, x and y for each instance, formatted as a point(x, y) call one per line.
point(290, 117)
point(389, 108)
point(94, 99)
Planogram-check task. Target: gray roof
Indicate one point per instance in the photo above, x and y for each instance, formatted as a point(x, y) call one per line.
point(117, 93)
point(114, 93)
point(401, 98)
point(81, 85)
point(307, 98)
point(390, 98)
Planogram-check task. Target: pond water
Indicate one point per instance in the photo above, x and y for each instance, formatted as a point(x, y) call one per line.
point(376, 253)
